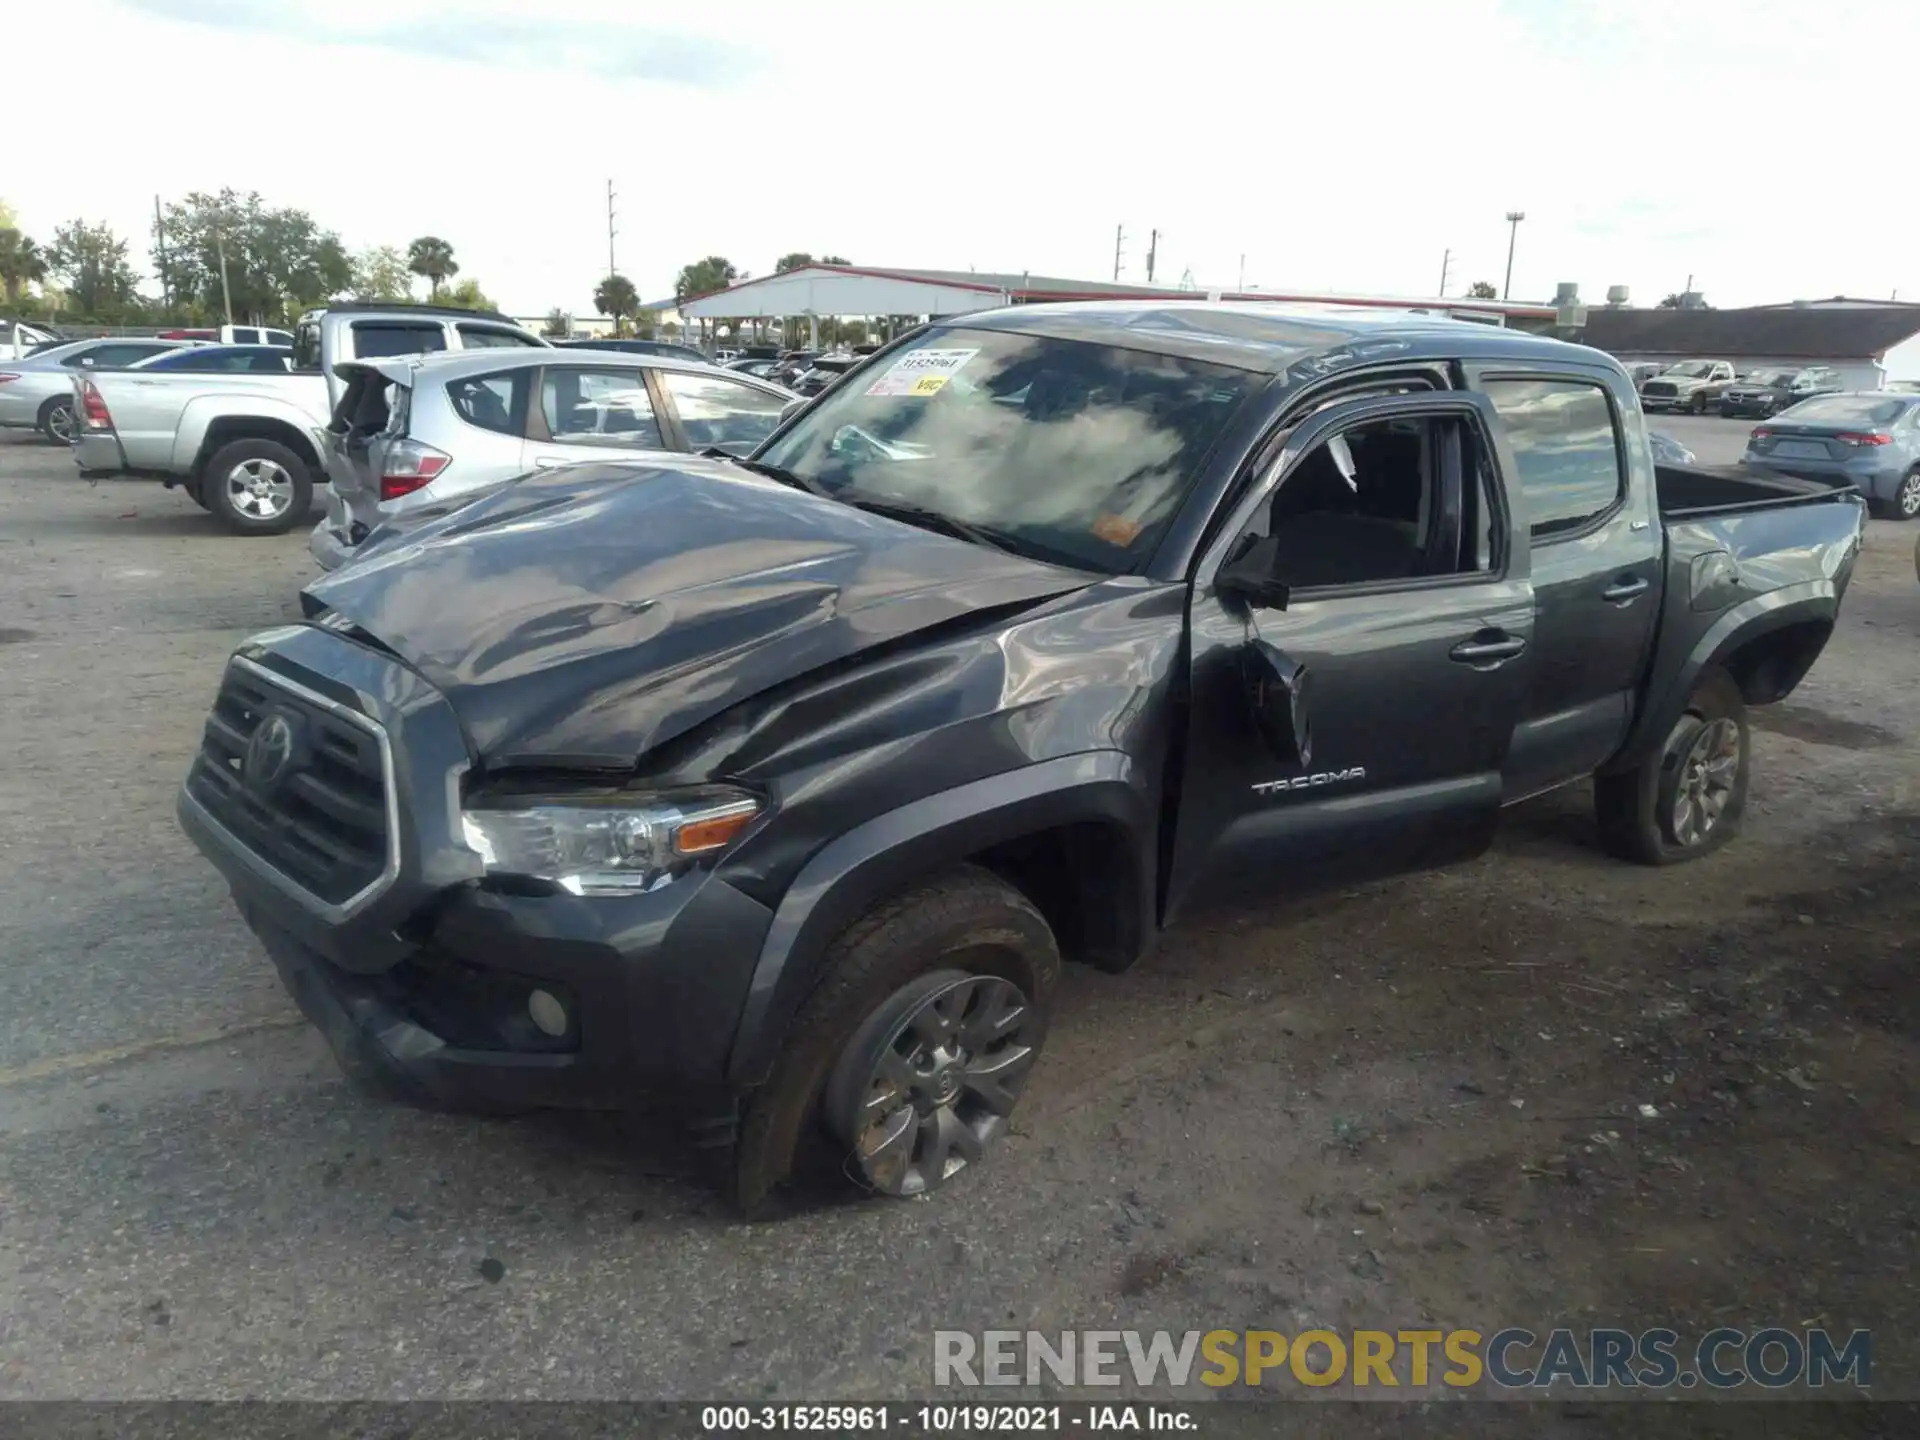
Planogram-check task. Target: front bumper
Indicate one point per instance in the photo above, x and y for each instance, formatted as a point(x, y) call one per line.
point(99, 452)
point(423, 981)
point(1756, 409)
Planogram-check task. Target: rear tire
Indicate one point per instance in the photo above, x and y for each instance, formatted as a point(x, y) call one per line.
point(1905, 503)
point(963, 934)
point(1685, 800)
point(256, 487)
point(55, 421)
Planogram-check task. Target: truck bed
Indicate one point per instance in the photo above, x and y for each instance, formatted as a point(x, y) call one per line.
point(1689, 491)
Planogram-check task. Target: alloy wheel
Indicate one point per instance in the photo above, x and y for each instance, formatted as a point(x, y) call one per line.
point(60, 424)
point(1707, 777)
point(931, 1078)
point(1909, 497)
point(259, 489)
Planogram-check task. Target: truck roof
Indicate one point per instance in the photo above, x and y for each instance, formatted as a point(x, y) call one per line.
point(1268, 338)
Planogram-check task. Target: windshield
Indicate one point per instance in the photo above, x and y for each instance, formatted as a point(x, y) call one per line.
point(1071, 452)
point(1847, 410)
point(1693, 369)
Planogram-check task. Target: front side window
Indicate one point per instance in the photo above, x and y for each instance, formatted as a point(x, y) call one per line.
point(1389, 500)
point(600, 407)
point(374, 339)
point(1566, 447)
point(1072, 451)
point(720, 412)
point(492, 402)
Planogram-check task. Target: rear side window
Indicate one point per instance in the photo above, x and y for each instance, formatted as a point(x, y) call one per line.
point(719, 412)
point(492, 402)
point(109, 355)
point(600, 407)
point(373, 339)
point(1567, 449)
point(482, 337)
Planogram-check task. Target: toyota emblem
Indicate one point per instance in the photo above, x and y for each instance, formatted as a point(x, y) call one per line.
point(270, 751)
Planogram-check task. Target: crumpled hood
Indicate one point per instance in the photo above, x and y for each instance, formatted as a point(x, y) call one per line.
point(587, 614)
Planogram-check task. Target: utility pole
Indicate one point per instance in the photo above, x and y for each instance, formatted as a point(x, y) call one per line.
point(160, 250)
point(220, 245)
point(1243, 274)
point(1153, 252)
point(611, 232)
point(1446, 268)
point(1119, 239)
point(1514, 217)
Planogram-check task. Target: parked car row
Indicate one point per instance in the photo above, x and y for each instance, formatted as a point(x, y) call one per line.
point(251, 432)
point(1698, 387)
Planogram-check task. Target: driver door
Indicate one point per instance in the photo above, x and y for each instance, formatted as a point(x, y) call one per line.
point(1397, 581)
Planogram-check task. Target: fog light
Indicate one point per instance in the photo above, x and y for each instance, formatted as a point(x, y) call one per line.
point(547, 1013)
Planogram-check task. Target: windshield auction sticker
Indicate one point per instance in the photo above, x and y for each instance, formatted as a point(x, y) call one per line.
point(923, 372)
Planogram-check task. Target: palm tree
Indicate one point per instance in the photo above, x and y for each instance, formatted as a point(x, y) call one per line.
point(616, 296)
point(432, 257)
point(22, 263)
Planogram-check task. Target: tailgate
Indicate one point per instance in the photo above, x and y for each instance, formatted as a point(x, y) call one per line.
point(371, 413)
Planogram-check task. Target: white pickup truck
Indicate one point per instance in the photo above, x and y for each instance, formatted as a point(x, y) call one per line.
point(247, 447)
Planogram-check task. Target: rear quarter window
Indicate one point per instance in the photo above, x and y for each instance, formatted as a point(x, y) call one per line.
point(492, 402)
point(1566, 447)
point(373, 339)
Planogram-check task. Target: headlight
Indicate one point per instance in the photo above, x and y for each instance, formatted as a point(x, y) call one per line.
point(612, 845)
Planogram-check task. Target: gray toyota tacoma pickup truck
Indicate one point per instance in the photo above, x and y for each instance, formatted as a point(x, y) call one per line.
point(786, 785)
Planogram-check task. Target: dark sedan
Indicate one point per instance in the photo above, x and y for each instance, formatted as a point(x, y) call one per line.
point(1761, 393)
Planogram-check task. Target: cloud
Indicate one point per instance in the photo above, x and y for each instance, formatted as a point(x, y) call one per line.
point(607, 48)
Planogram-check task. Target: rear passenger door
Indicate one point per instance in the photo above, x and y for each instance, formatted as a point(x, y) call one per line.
point(1585, 493)
point(593, 412)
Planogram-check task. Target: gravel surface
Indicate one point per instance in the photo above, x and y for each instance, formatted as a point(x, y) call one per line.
point(1414, 1101)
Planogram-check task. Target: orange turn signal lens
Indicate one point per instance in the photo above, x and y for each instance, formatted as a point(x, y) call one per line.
point(713, 831)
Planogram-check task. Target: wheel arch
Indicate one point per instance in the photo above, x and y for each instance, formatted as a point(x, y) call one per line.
point(222, 430)
point(1768, 644)
point(1073, 834)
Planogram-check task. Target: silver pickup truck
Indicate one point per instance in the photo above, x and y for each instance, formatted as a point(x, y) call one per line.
point(248, 447)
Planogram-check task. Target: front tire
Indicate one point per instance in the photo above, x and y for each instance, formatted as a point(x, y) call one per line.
point(1687, 799)
point(256, 487)
point(55, 421)
point(1905, 502)
point(1699, 406)
point(906, 1061)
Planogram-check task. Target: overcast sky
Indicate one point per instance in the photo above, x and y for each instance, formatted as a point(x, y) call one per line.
point(1761, 147)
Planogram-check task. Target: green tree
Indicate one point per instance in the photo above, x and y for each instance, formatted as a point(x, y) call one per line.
point(467, 295)
point(559, 324)
point(616, 296)
point(791, 262)
point(432, 258)
point(380, 272)
point(703, 277)
point(92, 262)
point(1482, 290)
point(835, 260)
point(278, 261)
point(22, 262)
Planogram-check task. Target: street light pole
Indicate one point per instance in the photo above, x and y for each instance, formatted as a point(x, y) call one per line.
point(1514, 217)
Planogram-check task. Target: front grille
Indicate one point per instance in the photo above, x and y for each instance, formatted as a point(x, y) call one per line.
point(1663, 388)
point(313, 802)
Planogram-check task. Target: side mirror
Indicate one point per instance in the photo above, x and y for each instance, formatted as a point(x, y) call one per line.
point(791, 409)
point(1277, 693)
point(1250, 575)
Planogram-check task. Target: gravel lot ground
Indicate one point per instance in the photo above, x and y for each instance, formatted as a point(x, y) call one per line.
point(1413, 1102)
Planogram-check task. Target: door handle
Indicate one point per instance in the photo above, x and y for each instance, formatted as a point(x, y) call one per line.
point(1625, 590)
point(1488, 649)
